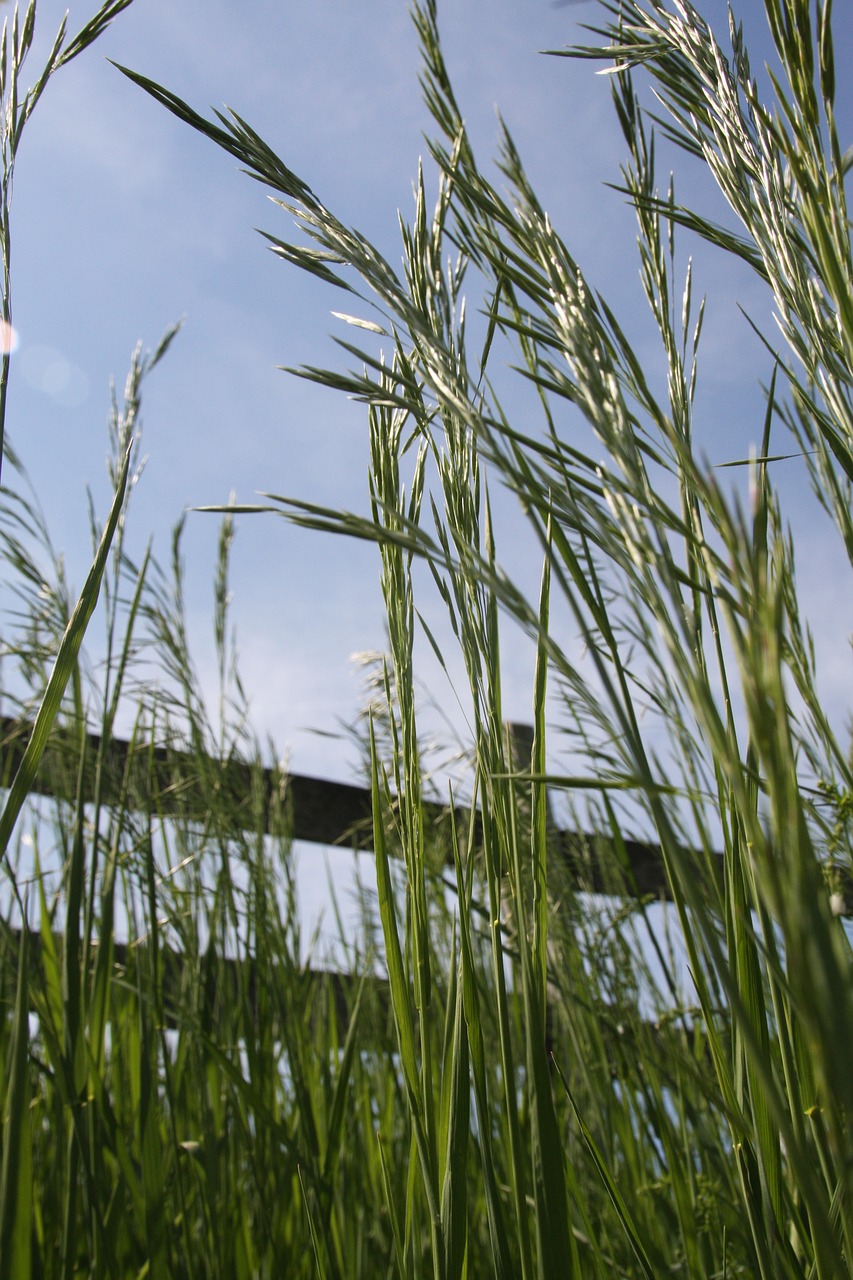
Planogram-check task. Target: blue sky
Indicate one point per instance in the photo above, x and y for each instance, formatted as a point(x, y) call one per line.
point(125, 221)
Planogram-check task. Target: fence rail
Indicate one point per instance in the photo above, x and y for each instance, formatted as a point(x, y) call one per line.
point(166, 782)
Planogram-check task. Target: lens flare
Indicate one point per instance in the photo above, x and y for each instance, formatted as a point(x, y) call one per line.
point(8, 338)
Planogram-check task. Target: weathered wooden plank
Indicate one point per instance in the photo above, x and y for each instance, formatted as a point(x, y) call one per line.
point(167, 781)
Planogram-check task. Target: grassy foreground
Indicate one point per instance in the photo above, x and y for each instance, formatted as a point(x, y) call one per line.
point(516, 1116)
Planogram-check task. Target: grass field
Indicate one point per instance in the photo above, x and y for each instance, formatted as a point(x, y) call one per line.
point(513, 1112)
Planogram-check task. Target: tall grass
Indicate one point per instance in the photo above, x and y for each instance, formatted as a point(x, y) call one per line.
point(518, 1115)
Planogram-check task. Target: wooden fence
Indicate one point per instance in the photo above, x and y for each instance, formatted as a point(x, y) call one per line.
point(318, 811)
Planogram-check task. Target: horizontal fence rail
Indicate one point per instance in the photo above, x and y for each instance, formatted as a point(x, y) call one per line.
point(166, 782)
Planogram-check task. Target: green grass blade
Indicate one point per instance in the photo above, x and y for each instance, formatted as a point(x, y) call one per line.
point(66, 660)
point(339, 1100)
point(612, 1189)
point(16, 1179)
point(454, 1190)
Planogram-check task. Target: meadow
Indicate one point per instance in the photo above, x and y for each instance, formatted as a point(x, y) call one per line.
point(539, 1095)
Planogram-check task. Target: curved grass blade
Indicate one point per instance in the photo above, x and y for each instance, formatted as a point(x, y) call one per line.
point(611, 1188)
point(66, 660)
